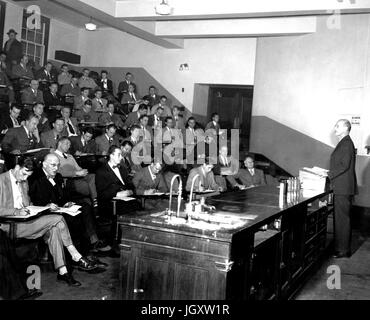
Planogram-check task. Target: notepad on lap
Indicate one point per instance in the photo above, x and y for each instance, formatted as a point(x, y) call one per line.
point(72, 211)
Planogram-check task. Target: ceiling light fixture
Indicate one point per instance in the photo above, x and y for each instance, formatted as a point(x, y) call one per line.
point(90, 26)
point(163, 8)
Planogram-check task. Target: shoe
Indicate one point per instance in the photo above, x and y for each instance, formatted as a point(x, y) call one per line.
point(67, 278)
point(84, 264)
point(338, 255)
point(30, 295)
point(95, 260)
point(101, 246)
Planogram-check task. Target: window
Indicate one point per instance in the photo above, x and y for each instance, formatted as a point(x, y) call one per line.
point(2, 22)
point(35, 41)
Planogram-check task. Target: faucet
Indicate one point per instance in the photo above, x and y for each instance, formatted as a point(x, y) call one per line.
point(176, 176)
point(192, 187)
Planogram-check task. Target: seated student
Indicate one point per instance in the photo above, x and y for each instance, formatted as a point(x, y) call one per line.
point(12, 284)
point(150, 179)
point(178, 119)
point(214, 123)
point(123, 85)
point(156, 120)
point(112, 181)
point(131, 98)
point(106, 84)
point(226, 169)
point(32, 94)
point(6, 88)
point(147, 131)
point(166, 109)
point(86, 114)
point(44, 76)
point(13, 199)
point(168, 131)
point(206, 178)
point(190, 141)
point(64, 77)
point(134, 117)
point(50, 138)
point(79, 100)
point(250, 176)
point(53, 101)
point(71, 90)
point(10, 120)
point(85, 81)
point(127, 162)
point(99, 104)
point(44, 124)
point(83, 143)
point(83, 182)
point(152, 97)
point(23, 138)
point(107, 139)
point(135, 135)
point(71, 126)
point(22, 70)
point(110, 117)
point(48, 188)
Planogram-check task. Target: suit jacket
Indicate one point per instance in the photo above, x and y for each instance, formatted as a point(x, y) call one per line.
point(208, 181)
point(126, 98)
point(87, 83)
point(41, 75)
point(342, 173)
point(152, 100)
point(102, 143)
point(151, 121)
point(248, 180)
point(167, 112)
point(15, 51)
point(108, 184)
point(67, 89)
point(64, 79)
point(42, 192)
point(29, 97)
point(143, 181)
point(76, 145)
point(78, 102)
point(109, 86)
point(17, 139)
point(6, 195)
point(131, 119)
point(123, 86)
point(179, 124)
point(81, 115)
point(50, 100)
point(66, 131)
point(6, 123)
point(96, 106)
point(106, 118)
point(19, 72)
point(210, 125)
point(49, 139)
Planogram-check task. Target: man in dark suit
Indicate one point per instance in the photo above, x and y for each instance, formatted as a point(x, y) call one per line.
point(109, 138)
point(13, 48)
point(86, 114)
point(45, 77)
point(53, 101)
point(134, 117)
point(10, 120)
point(343, 180)
point(250, 176)
point(156, 120)
point(150, 180)
point(79, 100)
point(50, 138)
point(152, 97)
point(71, 90)
point(123, 86)
point(71, 125)
point(83, 143)
point(105, 84)
point(22, 71)
point(21, 139)
point(109, 117)
point(178, 119)
point(32, 94)
point(214, 123)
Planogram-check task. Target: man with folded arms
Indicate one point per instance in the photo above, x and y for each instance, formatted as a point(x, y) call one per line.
point(14, 199)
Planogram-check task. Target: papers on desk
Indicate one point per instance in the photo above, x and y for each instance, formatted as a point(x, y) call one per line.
point(34, 211)
point(72, 211)
point(313, 180)
point(85, 155)
point(35, 150)
point(124, 198)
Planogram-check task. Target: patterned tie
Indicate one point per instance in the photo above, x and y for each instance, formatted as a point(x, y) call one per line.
point(65, 156)
point(70, 127)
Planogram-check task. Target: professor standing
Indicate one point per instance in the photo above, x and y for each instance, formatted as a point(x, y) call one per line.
point(342, 176)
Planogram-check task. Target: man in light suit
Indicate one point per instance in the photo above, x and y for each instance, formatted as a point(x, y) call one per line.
point(250, 176)
point(14, 199)
point(79, 101)
point(109, 117)
point(70, 90)
point(166, 109)
point(343, 180)
point(22, 70)
point(150, 180)
point(71, 126)
point(85, 81)
point(32, 94)
point(99, 104)
point(178, 119)
point(107, 139)
point(134, 117)
point(50, 138)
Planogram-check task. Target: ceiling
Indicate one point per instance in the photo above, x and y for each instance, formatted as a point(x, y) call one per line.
point(199, 18)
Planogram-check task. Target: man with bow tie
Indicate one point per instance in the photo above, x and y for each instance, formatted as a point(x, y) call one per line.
point(32, 95)
point(106, 140)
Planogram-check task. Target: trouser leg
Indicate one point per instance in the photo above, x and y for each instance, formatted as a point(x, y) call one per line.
point(342, 223)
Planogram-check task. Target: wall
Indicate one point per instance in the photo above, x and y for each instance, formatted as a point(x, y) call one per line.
point(215, 61)
point(306, 83)
point(13, 19)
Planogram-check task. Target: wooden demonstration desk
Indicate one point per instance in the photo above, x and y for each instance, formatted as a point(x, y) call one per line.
point(266, 253)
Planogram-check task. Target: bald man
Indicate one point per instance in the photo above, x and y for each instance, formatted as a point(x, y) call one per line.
point(343, 181)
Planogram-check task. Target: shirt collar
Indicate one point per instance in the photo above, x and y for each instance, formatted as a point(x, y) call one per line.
point(27, 132)
point(59, 153)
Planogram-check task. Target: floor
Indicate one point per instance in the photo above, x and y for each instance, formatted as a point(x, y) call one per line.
point(354, 277)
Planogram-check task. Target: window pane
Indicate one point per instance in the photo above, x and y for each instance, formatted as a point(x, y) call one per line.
point(38, 38)
point(37, 61)
point(24, 21)
point(24, 32)
point(24, 45)
point(38, 51)
point(31, 49)
point(31, 35)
